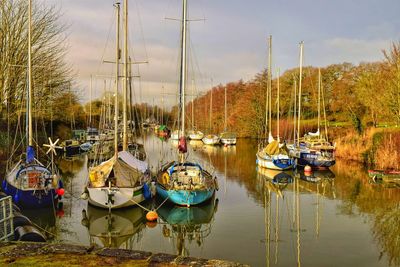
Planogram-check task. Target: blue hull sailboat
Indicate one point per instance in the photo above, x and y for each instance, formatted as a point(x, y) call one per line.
point(29, 182)
point(183, 182)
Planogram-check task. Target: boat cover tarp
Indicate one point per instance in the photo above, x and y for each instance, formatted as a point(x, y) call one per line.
point(99, 174)
point(127, 171)
point(274, 148)
point(133, 162)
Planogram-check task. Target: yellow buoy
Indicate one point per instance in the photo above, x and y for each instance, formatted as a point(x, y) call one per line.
point(151, 216)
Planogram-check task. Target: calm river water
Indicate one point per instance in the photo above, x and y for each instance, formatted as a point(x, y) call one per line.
point(258, 217)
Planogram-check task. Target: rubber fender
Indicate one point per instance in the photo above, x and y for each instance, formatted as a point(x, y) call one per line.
point(29, 233)
point(21, 220)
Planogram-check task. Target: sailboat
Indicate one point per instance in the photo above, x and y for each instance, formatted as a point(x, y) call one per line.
point(183, 182)
point(227, 138)
point(123, 180)
point(29, 182)
point(312, 149)
point(210, 139)
point(274, 155)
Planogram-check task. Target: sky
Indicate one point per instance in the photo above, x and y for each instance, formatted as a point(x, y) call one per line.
point(228, 39)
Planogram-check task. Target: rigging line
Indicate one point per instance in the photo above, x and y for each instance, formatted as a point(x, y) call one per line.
point(141, 30)
point(107, 40)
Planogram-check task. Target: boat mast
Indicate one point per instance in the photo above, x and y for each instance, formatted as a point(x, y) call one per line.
point(192, 104)
point(319, 99)
point(211, 100)
point(182, 82)
point(117, 8)
point(29, 102)
point(300, 77)
point(225, 120)
point(277, 113)
point(125, 89)
point(269, 88)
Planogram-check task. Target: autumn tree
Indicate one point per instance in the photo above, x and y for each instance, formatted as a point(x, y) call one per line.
point(50, 71)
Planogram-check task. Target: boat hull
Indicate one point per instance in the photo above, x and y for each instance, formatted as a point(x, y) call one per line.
point(120, 197)
point(28, 188)
point(185, 197)
point(228, 141)
point(31, 199)
point(313, 161)
point(213, 140)
point(277, 163)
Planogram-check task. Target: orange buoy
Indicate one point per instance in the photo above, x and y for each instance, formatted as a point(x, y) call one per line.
point(151, 216)
point(307, 169)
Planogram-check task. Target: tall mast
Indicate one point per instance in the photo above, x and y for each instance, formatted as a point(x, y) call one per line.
point(192, 104)
point(277, 112)
point(225, 120)
point(319, 99)
point(211, 100)
point(300, 77)
point(294, 110)
point(29, 105)
point(90, 100)
point(125, 90)
point(269, 85)
point(182, 82)
point(117, 8)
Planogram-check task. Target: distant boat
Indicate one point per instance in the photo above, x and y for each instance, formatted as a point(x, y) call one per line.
point(195, 135)
point(184, 182)
point(227, 138)
point(175, 135)
point(31, 183)
point(70, 147)
point(210, 139)
point(385, 175)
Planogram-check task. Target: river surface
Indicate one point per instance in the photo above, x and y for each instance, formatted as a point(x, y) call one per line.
point(258, 217)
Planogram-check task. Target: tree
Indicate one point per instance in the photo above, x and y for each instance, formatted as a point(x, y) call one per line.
point(50, 72)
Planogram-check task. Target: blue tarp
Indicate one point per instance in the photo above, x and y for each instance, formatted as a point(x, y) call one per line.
point(30, 154)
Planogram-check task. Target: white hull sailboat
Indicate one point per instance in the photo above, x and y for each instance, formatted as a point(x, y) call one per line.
point(273, 155)
point(227, 138)
point(211, 139)
point(123, 180)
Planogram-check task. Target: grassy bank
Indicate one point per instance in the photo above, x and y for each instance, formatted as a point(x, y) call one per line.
point(376, 147)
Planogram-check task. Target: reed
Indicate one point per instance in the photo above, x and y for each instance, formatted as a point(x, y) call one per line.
point(376, 147)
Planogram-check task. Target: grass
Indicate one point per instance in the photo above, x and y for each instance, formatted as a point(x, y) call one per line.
point(376, 147)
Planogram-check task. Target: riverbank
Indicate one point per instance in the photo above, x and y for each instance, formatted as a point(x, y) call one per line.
point(376, 147)
point(43, 254)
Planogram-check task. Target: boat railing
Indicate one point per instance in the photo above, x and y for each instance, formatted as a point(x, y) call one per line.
point(6, 219)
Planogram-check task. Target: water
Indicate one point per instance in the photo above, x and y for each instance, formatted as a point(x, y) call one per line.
point(333, 218)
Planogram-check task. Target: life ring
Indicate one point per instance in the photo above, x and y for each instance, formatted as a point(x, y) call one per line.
point(165, 178)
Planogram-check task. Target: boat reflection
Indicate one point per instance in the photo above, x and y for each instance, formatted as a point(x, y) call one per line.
point(70, 166)
point(182, 224)
point(114, 229)
point(316, 176)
